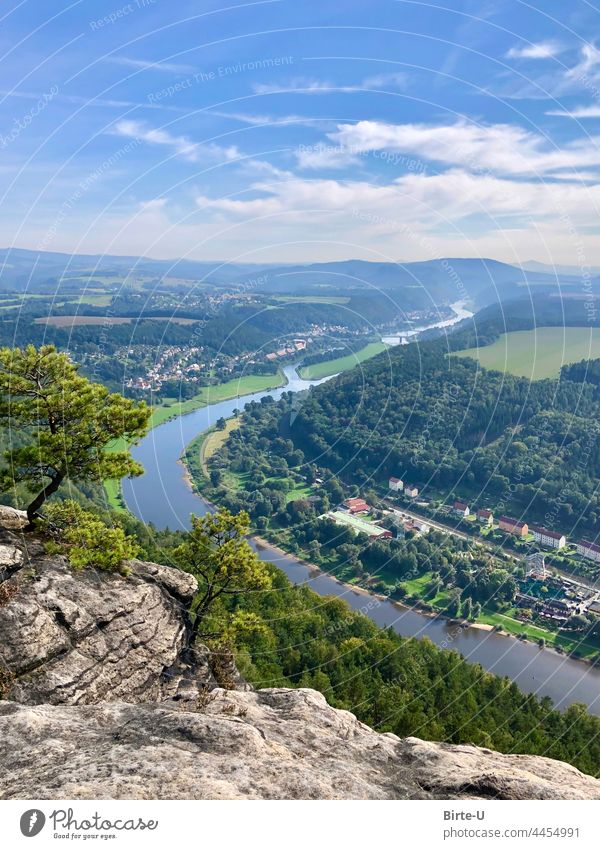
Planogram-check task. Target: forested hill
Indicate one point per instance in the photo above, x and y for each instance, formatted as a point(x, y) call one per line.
point(442, 422)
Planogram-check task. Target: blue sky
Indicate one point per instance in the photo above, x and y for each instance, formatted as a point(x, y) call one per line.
point(288, 131)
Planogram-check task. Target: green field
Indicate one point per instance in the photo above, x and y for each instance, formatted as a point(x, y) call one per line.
point(538, 353)
point(221, 392)
point(318, 370)
point(214, 440)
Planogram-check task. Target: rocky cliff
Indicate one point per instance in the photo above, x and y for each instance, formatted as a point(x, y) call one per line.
point(103, 698)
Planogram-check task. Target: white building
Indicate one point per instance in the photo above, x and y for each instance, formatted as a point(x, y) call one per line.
point(551, 539)
point(395, 484)
point(411, 490)
point(461, 508)
point(589, 550)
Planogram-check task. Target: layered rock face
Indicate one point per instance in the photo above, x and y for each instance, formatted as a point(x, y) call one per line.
point(104, 698)
point(269, 744)
point(80, 638)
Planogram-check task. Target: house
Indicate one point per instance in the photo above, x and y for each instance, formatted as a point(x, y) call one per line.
point(411, 490)
point(461, 508)
point(356, 505)
point(551, 539)
point(513, 526)
point(485, 516)
point(589, 550)
point(395, 484)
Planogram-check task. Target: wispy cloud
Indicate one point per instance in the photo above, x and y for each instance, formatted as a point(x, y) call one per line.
point(577, 112)
point(539, 50)
point(181, 146)
point(425, 202)
point(385, 81)
point(497, 148)
point(151, 65)
point(306, 85)
point(556, 80)
point(80, 100)
point(271, 120)
point(588, 65)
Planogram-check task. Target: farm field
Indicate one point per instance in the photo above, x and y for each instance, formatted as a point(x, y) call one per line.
point(318, 370)
point(538, 353)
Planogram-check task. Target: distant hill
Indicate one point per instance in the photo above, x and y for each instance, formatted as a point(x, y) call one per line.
point(548, 268)
point(433, 282)
point(25, 269)
point(420, 284)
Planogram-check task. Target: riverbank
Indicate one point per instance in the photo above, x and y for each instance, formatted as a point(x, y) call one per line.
point(315, 571)
point(247, 385)
point(327, 368)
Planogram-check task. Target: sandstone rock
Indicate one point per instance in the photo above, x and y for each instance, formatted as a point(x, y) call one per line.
point(268, 744)
point(79, 638)
point(11, 518)
point(106, 699)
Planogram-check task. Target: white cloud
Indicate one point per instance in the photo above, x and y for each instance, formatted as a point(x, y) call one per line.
point(308, 85)
point(497, 148)
point(78, 99)
point(383, 81)
point(415, 217)
point(587, 67)
point(577, 112)
point(271, 120)
point(182, 146)
point(423, 199)
point(539, 50)
point(150, 65)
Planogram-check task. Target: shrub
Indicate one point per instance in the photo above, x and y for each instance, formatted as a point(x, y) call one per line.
point(85, 539)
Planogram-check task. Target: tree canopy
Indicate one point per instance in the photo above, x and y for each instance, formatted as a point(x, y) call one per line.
point(216, 552)
point(62, 423)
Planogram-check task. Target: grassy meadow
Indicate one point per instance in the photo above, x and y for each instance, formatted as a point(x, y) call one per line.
point(538, 353)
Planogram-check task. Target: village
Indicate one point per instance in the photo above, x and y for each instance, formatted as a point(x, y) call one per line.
point(542, 594)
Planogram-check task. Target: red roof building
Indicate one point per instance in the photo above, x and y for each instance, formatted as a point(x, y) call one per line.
point(356, 505)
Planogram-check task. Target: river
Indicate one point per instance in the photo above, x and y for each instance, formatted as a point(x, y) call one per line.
point(162, 496)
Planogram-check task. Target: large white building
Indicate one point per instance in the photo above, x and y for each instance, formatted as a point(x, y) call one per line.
point(589, 550)
point(395, 484)
point(551, 539)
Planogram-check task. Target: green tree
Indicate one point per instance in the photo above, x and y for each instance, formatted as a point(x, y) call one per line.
point(86, 539)
point(218, 555)
point(67, 423)
point(453, 606)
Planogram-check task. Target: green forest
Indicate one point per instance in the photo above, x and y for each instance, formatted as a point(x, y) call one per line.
point(448, 425)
